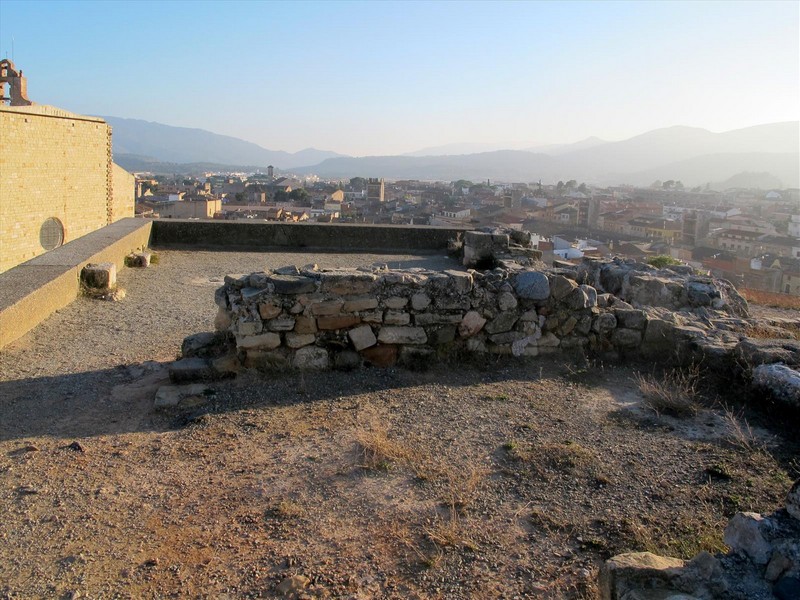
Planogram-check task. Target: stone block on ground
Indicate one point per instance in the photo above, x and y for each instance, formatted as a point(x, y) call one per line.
point(179, 395)
point(191, 369)
point(311, 358)
point(99, 276)
point(745, 533)
point(139, 260)
point(633, 571)
point(781, 382)
point(202, 344)
point(362, 337)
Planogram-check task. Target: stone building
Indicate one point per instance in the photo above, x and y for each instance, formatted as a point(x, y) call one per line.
point(57, 178)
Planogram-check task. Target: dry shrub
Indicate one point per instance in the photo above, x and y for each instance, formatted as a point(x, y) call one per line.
point(450, 531)
point(377, 452)
point(462, 486)
point(770, 298)
point(772, 332)
point(673, 393)
point(547, 458)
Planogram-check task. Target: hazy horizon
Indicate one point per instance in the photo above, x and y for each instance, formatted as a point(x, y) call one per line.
point(394, 78)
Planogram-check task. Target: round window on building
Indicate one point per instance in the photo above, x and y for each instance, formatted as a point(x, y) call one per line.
point(51, 235)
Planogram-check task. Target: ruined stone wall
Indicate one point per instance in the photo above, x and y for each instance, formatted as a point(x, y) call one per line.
point(54, 165)
point(307, 318)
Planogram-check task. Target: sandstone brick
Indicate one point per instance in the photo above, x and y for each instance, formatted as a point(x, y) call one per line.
point(298, 340)
point(268, 310)
point(337, 322)
point(305, 325)
point(393, 317)
point(359, 304)
point(324, 309)
point(362, 337)
point(380, 356)
point(395, 302)
point(402, 335)
point(265, 340)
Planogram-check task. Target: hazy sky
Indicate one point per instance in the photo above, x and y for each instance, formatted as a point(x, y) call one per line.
point(383, 77)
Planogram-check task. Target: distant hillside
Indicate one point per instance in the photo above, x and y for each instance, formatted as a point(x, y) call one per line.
point(781, 167)
point(135, 163)
point(183, 145)
point(508, 165)
point(693, 155)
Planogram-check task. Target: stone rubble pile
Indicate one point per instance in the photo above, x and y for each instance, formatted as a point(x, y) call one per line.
point(763, 564)
point(315, 319)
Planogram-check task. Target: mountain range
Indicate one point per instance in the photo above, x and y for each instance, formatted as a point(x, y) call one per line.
point(165, 143)
point(692, 155)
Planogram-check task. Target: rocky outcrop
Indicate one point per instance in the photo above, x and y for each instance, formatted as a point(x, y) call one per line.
point(763, 564)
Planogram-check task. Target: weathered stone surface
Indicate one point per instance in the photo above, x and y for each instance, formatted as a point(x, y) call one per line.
point(265, 341)
point(560, 286)
point(359, 304)
point(636, 571)
point(532, 285)
point(268, 310)
point(402, 335)
point(347, 283)
point(425, 319)
point(548, 340)
point(755, 351)
point(420, 301)
point(745, 534)
point(285, 323)
point(292, 284)
point(793, 500)
point(266, 360)
point(298, 340)
point(199, 344)
point(452, 302)
point(626, 338)
point(630, 319)
point(249, 327)
point(459, 282)
point(138, 260)
point(340, 322)
point(374, 317)
point(362, 337)
point(781, 382)
point(191, 369)
point(99, 276)
point(395, 302)
point(568, 325)
point(506, 337)
point(175, 395)
point(442, 335)
point(392, 317)
point(576, 299)
point(502, 322)
point(305, 325)
point(325, 309)
point(381, 355)
point(346, 360)
point(471, 324)
point(591, 295)
point(506, 301)
point(311, 358)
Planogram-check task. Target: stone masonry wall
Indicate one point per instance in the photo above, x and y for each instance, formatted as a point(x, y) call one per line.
point(307, 318)
point(53, 164)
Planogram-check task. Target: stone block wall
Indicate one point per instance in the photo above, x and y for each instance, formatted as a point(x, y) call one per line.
point(55, 165)
point(307, 318)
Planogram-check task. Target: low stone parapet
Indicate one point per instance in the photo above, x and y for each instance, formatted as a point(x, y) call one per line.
point(306, 317)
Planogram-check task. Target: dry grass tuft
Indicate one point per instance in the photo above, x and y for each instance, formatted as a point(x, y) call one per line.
point(741, 434)
point(548, 458)
point(449, 531)
point(674, 393)
point(378, 452)
point(772, 299)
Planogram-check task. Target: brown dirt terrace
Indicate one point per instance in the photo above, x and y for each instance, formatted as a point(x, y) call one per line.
point(490, 479)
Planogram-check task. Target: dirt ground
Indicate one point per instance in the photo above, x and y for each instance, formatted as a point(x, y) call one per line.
point(491, 479)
